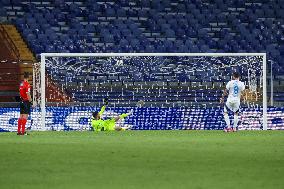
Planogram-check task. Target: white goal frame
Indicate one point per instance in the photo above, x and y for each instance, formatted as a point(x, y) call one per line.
point(45, 55)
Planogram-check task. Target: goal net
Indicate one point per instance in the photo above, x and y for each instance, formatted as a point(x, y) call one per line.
point(179, 90)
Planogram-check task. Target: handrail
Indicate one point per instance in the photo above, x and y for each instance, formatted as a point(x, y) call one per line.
point(10, 41)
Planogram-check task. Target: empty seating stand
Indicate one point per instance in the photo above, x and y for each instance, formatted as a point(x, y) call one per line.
point(87, 26)
point(150, 26)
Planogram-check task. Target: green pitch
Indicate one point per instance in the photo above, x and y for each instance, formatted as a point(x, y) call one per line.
point(143, 159)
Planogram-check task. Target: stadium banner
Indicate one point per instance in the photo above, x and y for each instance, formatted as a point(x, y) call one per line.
point(145, 118)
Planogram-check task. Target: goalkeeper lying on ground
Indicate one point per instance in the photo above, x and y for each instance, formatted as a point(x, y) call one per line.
point(99, 124)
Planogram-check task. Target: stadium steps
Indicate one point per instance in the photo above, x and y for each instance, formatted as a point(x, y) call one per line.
point(54, 93)
point(25, 55)
point(25, 52)
point(9, 78)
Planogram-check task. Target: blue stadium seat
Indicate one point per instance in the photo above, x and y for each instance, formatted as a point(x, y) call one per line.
point(5, 2)
point(2, 11)
point(169, 33)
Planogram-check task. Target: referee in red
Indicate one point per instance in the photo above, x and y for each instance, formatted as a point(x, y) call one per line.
point(25, 104)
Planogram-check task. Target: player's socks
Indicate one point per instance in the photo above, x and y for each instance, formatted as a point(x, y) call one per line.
point(24, 121)
point(125, 128)
point(227, 120)
point(122, 116)
point(19, 125)
point(236, 120)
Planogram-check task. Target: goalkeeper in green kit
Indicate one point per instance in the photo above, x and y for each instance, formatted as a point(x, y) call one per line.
point(99, 124)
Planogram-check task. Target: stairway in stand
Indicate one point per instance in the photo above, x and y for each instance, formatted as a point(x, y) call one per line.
point(25, 54)
point(20, 59)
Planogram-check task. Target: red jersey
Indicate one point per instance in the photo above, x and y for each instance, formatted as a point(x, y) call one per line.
point(24, 89)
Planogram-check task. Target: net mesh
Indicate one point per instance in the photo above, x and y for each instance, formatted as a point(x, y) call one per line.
point(191, 82)
point(75, 75)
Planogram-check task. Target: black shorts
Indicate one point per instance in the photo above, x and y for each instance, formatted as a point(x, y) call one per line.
point(25, 107)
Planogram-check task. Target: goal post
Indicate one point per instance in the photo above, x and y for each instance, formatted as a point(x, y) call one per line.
point(41, 101)
point(264, 93)
point(42, 89)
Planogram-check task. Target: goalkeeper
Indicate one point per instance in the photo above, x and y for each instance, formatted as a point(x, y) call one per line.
point(99, 124)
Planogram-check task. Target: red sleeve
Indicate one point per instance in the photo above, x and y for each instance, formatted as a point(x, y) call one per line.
point(28, 88)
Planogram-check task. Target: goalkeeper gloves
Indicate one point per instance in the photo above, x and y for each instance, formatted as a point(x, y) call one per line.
point(105, 101)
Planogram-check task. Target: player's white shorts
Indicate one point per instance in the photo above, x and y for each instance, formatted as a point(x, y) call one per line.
point(233, 105)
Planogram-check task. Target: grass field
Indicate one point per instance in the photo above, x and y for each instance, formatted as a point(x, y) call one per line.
point(143, 159)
